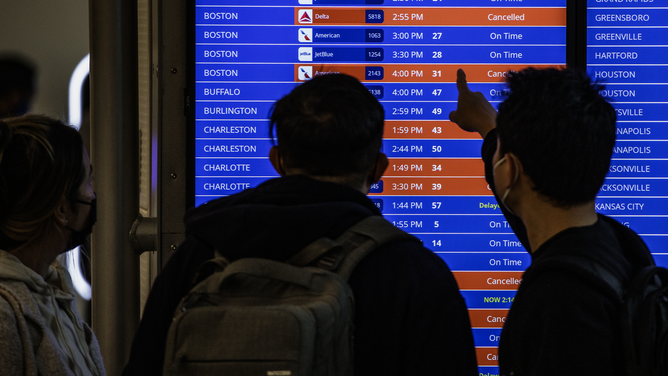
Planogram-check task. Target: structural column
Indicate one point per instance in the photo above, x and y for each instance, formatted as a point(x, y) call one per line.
point(114, 153)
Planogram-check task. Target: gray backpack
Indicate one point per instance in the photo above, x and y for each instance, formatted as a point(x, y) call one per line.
point(268, 318)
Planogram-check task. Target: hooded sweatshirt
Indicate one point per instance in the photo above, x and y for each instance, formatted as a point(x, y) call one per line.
point(40, 324)
point(409, 319)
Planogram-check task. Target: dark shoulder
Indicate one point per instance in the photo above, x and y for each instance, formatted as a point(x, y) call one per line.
point(180, 270)
point(406, 254)
point(406, 263)
point(633, 248)
point(562, 291)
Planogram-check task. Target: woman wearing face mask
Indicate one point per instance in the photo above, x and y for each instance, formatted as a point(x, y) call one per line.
point(47, 207)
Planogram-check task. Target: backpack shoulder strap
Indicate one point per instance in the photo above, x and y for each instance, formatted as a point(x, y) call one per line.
point(366, 236)
point(592, 272)
point(645, 322)
point(343, 254)
point(216, 264)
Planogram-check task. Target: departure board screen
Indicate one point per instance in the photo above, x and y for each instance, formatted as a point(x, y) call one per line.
point(249, 53)
point(627, 49)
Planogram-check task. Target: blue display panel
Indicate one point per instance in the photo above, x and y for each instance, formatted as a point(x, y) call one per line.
point(627, 49)
point(249, 53)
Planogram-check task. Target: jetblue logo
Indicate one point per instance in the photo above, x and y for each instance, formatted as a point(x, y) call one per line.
point(305, 53)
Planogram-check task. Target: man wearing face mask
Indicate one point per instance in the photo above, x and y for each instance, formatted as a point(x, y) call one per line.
point(546, 155)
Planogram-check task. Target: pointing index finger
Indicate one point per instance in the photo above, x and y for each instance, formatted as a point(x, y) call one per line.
point(462, 85)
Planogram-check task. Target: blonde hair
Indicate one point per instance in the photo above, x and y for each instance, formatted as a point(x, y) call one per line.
point(41, 162)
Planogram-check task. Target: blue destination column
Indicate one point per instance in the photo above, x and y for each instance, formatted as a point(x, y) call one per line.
point(627, 48)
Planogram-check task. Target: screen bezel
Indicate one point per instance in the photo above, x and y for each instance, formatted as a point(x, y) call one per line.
point(575, 57)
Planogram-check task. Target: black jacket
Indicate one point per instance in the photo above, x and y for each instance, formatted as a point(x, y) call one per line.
point(560, 323)
point(410, 316)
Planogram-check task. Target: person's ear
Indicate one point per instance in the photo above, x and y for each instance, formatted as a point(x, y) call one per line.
point(515, 168)
point(276, 161)
point(62, 212)
point(379, 168)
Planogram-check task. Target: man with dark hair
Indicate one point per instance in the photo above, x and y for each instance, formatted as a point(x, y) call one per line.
point(546, 154)
point(409, 315)
point(17, 86)
point(330, 129)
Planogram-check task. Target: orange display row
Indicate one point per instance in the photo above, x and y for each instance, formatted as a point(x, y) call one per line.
point(433, 186)
point(441, 16)
point(427, 129)
point(487, 318)
point(416, 72)
point(487, 356)
point(488, 280)
point(435, 167)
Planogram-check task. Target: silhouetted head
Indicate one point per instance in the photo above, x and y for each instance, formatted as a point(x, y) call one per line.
point(561, 129)
point(330, 126)
point(41, 164)
point(17, 86)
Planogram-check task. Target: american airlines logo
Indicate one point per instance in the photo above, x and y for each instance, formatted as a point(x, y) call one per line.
point(305, 16)
point(306, 35)
point(305, 73)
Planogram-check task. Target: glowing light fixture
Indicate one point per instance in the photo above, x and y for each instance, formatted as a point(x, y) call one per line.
point(76, 91)
point(75, 117)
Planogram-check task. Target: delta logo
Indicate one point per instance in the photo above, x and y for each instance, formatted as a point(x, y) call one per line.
point(305, 73)
point(305, 53)
point(306, 35)
point(305, 16)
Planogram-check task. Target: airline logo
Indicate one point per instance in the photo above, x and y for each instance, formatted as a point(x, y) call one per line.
point(305, 16)
point(305, 2)
point(305, 53)
point(305, 73)
point(306, 35)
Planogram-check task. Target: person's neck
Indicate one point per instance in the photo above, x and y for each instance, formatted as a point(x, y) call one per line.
point(362, 187)
point(38, 256)
point(544, 220)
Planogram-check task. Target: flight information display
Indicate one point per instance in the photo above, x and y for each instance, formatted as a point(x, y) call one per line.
point(249, 53)
point(627, 49)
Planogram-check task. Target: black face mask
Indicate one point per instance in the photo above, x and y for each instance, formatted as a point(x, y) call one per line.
point(78, 237)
